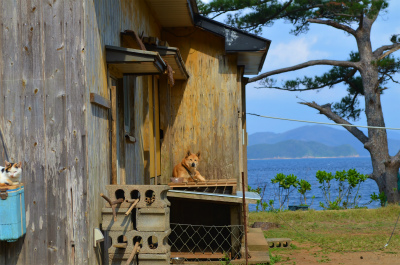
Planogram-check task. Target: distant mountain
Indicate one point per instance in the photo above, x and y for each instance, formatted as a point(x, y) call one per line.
point(321, 134)
point(298, 149)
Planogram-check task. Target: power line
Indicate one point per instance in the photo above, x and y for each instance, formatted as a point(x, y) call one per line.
point(325, 123)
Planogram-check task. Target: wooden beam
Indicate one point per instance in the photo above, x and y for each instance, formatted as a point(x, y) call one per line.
point(114, 117)
point(151, 128)
point(100, 101)
point(157, 128)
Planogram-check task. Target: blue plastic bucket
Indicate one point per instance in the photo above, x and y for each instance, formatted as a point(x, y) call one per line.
point(12, 214)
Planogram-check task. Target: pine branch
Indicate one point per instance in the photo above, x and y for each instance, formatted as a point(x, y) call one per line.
point(305, 65)
point(396, 158)
point(380, 50)
point(327, 111)
point(333, 24)
point(391, 78)
point(392, 50)
point(345, 79)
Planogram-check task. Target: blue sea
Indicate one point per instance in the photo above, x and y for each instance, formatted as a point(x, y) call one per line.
point(261, 172)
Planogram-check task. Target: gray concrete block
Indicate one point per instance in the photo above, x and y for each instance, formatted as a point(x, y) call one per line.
point(144, 259)
point(123, 223)
point(131, 192)
point(153, 219)
point(146, 239)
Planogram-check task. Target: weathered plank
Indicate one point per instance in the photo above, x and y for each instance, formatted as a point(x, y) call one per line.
point(204, 110)
point(12, 101)
point(114, 153)
point(76, 187)
point(100, 101)
point(34, 176)
point(121, 133)
point(157, 143)
point(151, 125)
point(58, 241)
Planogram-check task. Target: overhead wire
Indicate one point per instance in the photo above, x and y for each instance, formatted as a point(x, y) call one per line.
point(324, 123)
point(335, 124)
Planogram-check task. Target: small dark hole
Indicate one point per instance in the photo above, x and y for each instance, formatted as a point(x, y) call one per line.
point(153, 242)
point(122, 239)
point(150, 196)
point(138, 239)
point(120, 194)
point(135, 194)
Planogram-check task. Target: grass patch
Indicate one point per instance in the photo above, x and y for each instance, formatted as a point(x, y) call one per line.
point(336, 230)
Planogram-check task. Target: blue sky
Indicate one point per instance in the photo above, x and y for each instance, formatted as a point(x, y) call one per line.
point(321, 42)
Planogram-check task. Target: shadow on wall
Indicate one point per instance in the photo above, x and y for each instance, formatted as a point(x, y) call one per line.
point(13, 253)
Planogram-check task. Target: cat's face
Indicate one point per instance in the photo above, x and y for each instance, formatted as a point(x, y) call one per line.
point(14, 170)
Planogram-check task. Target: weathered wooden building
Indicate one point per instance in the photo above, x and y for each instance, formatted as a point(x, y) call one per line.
point(83, 105)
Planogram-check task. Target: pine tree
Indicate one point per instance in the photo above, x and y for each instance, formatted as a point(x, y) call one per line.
point(365, 73)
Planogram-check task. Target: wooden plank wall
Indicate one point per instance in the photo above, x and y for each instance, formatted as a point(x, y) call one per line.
point(104, 20)
point(42, 103)
point(202, 113)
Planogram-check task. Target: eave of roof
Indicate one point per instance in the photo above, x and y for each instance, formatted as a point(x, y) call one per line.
point(173, 57)
point(251, 48)
point(132, 61)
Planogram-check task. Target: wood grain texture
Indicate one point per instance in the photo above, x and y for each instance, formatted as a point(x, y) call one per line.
point(202, 113)
point(114, 153)
point(103, 21)
point(76, 186)
point(42, 102)
point(100, 101)
point(55, 132)
point(13, 99)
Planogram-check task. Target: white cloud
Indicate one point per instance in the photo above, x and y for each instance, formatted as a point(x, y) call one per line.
point(299, 50)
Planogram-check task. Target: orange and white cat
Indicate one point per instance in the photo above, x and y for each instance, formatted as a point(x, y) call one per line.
point(11, 173)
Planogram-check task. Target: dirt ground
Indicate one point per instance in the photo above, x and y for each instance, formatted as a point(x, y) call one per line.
point(307, 255)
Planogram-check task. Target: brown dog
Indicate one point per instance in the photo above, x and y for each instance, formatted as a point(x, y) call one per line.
point(187, 168)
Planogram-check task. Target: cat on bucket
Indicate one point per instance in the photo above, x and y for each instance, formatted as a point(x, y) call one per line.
point(10, 174)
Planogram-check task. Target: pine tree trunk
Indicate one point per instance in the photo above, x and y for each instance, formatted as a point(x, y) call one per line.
point(384, 170)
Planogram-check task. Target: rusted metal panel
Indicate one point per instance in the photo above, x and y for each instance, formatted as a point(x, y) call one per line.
point(202, 113)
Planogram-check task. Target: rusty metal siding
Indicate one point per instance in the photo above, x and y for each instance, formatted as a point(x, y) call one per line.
point(41, 115)
point(202, 113)
point(103, 22)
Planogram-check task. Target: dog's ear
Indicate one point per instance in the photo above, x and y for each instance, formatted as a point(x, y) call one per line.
point(188, 153)
point(198, 154)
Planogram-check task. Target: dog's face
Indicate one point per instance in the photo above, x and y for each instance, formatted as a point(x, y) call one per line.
point(192, 160)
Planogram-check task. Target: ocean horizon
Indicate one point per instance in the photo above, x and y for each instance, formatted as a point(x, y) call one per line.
point(260, 173)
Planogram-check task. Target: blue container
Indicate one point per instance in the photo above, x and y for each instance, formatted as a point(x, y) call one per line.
point(12, 214)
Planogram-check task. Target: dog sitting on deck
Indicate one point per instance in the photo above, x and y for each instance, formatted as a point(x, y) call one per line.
point(187, 168)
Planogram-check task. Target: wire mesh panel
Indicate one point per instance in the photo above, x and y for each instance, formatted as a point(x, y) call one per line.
point(206, 243)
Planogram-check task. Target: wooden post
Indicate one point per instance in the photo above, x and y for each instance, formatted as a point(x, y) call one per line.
point(245, 220)
point(114, 155)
